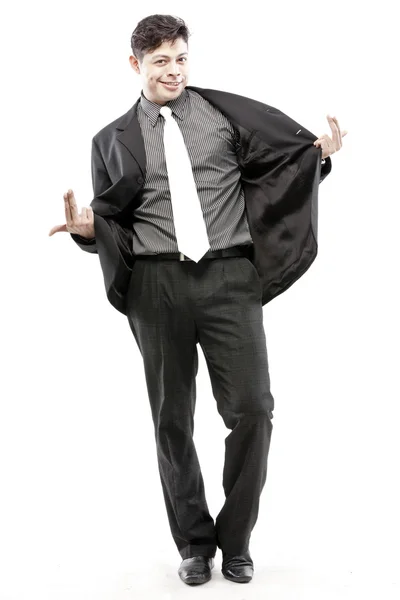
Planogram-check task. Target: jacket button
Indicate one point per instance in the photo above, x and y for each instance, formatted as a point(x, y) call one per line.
point(140, 180)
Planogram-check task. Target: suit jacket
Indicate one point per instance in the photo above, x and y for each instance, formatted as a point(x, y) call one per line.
point(280, 173)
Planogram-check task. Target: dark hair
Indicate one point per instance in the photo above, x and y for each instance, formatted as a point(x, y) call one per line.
point(154, 30)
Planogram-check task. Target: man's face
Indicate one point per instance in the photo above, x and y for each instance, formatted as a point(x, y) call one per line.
point(155, 69)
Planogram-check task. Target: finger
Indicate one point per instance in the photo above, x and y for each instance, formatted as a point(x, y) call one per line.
point(68, 216)
point(324, 145)
point(84, 213)
point(326, 142)
point(339, 132)
point(335, 131)
point(57, 228)
point(327, 147)
point(72, 205)
point(89, 214)
point(330, 146)
point(323, 137)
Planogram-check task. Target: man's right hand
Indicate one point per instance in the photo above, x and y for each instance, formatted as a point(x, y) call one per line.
point(80, 223)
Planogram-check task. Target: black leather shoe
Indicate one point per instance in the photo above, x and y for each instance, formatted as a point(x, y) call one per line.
point(196, 570)
point(237, 568)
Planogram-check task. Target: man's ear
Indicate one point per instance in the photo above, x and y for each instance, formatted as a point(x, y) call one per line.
point(134, 63)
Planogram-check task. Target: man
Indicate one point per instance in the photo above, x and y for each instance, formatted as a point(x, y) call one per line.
point(205, 209)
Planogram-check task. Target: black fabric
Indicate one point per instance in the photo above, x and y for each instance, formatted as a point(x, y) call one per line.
point(171, 306)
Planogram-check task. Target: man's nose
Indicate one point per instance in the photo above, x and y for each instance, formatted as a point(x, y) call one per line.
point(175, 70)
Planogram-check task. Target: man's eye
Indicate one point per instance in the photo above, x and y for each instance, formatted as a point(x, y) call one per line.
point(161, 60)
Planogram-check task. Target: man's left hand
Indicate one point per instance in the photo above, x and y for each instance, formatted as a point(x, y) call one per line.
point(330, 146)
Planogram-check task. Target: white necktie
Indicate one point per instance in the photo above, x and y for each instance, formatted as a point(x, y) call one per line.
point(190, 228)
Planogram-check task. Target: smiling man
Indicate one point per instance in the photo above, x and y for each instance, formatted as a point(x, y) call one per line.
point(204, 209)
point(164, 73)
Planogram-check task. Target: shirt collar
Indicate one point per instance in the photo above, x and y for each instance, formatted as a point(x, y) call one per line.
point(152, 109)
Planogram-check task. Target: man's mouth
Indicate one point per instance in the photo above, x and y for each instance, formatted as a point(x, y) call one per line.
point(174, 84)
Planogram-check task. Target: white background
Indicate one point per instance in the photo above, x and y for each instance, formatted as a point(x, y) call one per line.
point(81, 507)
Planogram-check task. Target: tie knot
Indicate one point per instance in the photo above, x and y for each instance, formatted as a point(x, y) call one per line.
point(165, 111)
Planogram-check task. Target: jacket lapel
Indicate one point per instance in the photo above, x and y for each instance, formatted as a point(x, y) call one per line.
point(131, 137)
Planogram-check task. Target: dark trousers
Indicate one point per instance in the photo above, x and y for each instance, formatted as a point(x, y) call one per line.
point(172, 306)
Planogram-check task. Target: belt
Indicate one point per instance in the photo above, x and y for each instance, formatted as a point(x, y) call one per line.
point(242, 250)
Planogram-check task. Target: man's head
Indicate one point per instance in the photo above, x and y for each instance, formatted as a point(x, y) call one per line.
point(168, 36)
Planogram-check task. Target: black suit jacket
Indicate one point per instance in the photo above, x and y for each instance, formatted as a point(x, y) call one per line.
point(280, 173)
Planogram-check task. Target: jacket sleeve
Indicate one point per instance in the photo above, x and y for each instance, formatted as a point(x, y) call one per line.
point(100, 181)
point(326, 167)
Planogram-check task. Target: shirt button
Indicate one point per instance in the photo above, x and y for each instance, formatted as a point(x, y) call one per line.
point(140, 180)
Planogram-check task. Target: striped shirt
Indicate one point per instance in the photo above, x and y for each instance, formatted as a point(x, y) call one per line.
point(211, 141)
